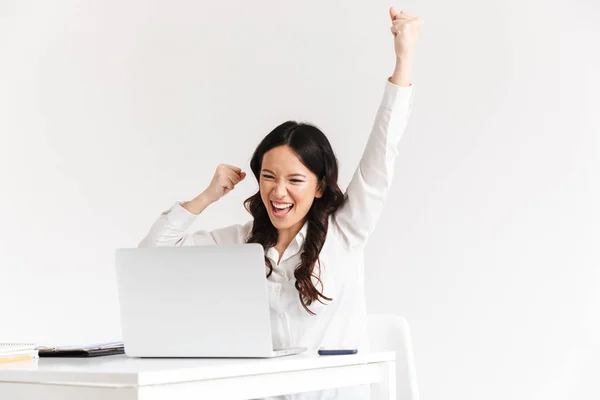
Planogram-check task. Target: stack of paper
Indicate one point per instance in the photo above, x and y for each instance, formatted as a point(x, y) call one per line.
point(17, 352)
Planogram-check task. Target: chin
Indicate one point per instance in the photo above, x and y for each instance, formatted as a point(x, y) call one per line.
point(282, 224)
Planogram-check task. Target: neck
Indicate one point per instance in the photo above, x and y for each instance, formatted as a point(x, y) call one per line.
point(285, 236)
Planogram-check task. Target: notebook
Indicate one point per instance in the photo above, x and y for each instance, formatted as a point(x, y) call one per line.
point(92, 350)
point(17, 352)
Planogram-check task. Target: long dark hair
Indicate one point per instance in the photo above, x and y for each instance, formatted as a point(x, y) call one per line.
point(314, 150)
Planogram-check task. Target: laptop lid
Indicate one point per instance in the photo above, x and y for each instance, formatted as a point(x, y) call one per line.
point(195, 301)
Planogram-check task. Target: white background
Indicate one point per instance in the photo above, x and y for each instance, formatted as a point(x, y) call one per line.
point(489, 243)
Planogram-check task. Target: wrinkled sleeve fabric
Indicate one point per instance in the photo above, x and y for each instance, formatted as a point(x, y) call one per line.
point(364, 199)
point(170, 229)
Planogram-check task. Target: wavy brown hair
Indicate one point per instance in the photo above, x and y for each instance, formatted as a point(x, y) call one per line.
point(314, 150)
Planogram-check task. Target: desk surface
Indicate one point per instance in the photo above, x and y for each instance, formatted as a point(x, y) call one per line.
point(121, 370)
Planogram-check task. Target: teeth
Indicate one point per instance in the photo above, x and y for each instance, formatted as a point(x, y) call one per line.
point(282, 205)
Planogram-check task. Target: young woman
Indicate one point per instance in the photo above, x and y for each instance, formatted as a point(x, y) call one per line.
point(313, 234)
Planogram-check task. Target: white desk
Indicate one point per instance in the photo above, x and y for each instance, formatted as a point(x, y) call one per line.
point(123, 378)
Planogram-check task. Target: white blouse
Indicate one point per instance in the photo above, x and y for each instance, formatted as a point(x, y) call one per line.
point(340, 323)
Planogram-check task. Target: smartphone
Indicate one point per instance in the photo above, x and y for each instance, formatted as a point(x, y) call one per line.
point(336, 352)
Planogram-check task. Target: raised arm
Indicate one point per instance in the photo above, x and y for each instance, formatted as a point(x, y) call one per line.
point(171, 226)
point(170, 229)
point(367, 191)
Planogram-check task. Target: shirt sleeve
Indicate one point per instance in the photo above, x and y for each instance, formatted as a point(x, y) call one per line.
point(171, 226)
point(367, 191)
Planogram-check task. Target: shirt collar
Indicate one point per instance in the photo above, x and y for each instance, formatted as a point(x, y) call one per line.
point(301, 236)
point(299, 239)
point(295, 245)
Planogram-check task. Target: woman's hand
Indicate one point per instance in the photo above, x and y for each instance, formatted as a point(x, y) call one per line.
point(405, 28)
point(223, 181)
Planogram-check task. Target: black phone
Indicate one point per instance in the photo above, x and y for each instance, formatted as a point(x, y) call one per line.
point(336, 352)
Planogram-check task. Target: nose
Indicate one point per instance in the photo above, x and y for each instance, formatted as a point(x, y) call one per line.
point(280, 190)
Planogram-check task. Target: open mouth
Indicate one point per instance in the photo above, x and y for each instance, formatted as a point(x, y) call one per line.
point(280, 210)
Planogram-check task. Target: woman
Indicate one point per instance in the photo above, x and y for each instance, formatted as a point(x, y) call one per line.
point(312, 233)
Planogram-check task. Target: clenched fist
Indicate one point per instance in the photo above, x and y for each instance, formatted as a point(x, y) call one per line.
point(224, 180)
point(405, 28)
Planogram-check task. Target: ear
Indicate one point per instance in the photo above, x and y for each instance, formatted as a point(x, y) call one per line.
point(320, 189)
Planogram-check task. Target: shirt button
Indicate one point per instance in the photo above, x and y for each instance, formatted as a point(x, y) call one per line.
point(282, 315)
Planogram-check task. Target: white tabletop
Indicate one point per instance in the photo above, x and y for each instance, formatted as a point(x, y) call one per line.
point(125, 371)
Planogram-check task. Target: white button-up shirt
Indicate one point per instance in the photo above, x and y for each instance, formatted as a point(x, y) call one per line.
point(340, 323)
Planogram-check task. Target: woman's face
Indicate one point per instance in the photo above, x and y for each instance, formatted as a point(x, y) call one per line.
point(287, 187)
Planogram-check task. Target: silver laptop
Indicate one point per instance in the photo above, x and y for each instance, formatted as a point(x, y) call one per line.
point(196, 301)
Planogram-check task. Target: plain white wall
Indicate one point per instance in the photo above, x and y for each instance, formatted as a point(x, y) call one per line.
point(112, 111)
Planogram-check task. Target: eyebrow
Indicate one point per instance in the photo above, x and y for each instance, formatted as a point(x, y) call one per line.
point(271, 172)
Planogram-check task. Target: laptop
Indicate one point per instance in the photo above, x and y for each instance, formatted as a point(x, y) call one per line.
point(195, 301)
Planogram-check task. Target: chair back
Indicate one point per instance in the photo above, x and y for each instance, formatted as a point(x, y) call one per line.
point(391, 332)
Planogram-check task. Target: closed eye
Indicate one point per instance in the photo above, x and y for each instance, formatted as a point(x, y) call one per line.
point(292, 180)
